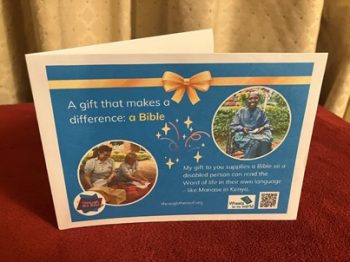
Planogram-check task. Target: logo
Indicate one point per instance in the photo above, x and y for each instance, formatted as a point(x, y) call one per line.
point(89, 203)
point(241, 202)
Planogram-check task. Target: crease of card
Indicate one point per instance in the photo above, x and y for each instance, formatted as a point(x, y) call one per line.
point(200, 41)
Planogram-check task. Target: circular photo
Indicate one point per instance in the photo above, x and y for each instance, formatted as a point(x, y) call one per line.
point(121, 171)
point(251, 123)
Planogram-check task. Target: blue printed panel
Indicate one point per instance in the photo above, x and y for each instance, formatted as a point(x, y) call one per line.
point(170, 194)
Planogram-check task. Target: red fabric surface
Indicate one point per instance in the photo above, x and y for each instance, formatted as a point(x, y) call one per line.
point(28, 226)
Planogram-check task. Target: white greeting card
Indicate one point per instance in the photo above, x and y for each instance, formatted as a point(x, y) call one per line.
point(133, 132)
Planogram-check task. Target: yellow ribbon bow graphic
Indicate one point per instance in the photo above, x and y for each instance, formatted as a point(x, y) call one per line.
point(174, 82)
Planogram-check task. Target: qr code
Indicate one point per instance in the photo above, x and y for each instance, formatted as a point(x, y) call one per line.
point(268, 200)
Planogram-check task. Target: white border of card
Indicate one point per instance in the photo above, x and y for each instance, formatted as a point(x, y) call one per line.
point(190, 47)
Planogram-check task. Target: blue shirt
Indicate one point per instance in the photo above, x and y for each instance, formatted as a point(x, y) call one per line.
point(250, 119)
point(125, 169)
point(99, 169)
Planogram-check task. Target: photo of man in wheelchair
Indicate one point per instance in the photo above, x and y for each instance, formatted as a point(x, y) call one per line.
point(256, 121)
point(251, 130)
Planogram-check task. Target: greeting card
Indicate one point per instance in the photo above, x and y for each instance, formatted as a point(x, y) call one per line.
point(143, 134)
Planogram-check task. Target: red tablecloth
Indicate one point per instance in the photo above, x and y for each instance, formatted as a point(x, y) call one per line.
point(28, 226)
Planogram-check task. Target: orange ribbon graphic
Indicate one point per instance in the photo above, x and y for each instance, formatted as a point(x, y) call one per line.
point(198, 82)
point(171, 81)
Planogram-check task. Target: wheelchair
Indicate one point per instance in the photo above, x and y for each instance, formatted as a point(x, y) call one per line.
point(231, 148)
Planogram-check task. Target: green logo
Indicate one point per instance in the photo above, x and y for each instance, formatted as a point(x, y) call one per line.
point(246, 200)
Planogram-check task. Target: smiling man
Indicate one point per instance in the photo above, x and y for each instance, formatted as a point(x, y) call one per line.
point(252, 130)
